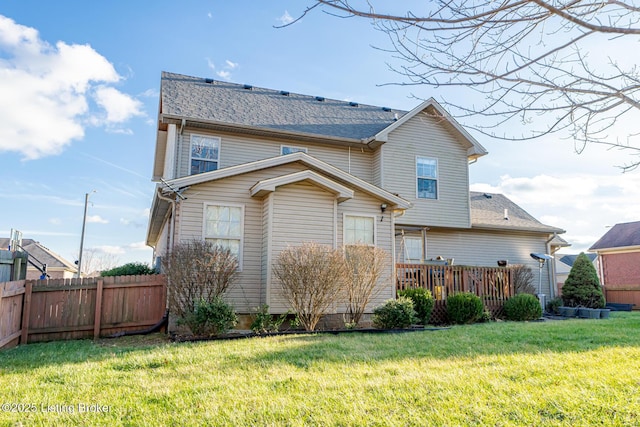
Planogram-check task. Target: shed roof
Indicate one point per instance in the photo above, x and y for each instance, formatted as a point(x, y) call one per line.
point(619, 236)
point(488, 211)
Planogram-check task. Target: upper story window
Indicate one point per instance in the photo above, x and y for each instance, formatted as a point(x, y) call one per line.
point(205, 153)
point(427, 178)
point(288, 149)
point(359, 230)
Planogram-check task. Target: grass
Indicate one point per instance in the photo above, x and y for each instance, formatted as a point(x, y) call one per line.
point(565, 373)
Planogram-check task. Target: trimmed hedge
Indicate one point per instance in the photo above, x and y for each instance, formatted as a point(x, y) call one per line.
point(464, 307)
point(394, 314)
point(522, 307)
point(422, 302)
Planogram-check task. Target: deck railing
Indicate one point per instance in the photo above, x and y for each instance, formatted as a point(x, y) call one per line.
point(492, 284)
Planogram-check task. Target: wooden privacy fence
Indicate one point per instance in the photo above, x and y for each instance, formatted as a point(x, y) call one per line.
point(630, 295)
point(61, 309)
point(11, 297)
point(492, 284)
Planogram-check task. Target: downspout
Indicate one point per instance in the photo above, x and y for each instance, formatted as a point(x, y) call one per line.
point(177, 172)
point(173, 215)
point(552, 266)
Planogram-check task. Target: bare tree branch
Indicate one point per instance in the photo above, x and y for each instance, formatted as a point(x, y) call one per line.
point(537, 63)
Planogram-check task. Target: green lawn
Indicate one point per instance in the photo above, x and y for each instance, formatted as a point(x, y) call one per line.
point(572, 373)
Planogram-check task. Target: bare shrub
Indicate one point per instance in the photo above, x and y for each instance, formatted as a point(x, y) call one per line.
point(522, 277)
point(198, 272)
point(364, 268)
point(311, 276)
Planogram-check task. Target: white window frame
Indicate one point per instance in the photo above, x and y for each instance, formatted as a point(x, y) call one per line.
point(191, 158)
point(355, 214)
point(241, 238)
point(421, 245)
point(292, 147)
point(432, 178)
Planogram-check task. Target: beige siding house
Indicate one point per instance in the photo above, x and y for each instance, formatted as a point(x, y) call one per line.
point(280, 169)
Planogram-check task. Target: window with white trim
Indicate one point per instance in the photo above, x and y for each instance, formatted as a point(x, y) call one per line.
point(205, 153)
point(427, 178)
point(413, 249)
point(288, 149)
point(223, 226)
point(359, 230)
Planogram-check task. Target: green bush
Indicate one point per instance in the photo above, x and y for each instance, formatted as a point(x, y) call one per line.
point(210, 317)
point(554, 304)
point(522, 307)
point(394, 314)
point(422, 302)
point(130, 269)
point(264, 322)
point(582, 287)
point(464, 308)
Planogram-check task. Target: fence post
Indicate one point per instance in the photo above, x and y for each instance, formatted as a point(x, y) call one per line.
point(26, 312)
point(98, 313)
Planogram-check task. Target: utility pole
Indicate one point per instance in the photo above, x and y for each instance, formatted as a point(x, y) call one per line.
point(84, 224)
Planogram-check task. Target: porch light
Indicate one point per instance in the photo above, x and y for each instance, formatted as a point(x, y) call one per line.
point(383, 207)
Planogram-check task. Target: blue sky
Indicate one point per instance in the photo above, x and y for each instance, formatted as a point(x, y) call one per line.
point(79, 84)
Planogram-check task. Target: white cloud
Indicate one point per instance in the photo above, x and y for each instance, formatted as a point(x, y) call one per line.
point(210, 64)
point(231, 65)
point(224, 74)
point(118, 106)
point(46, 88)
point(55, 221)
point(138, 246)
point(286, 18)
point(209, 15)
point(96, 219)
point(112, 250)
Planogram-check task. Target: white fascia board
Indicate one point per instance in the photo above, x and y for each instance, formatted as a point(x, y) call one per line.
point(269, 185)
point(476, 150)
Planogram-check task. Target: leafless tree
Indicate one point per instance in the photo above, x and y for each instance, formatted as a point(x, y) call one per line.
point(197, 271)
point(311, 276)
point(94, 261)
point(550, 66)
point(365, 267)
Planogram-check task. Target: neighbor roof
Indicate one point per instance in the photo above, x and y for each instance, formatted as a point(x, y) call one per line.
point(570, 259)
point(42, 254)
point(619, 236)
point(488, 211)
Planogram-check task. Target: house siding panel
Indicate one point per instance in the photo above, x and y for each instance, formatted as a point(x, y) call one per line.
point(424, 136)
point(246, 295)
point(302, 212)
point(237, 149)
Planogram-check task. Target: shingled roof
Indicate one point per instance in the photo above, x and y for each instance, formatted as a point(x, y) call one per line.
point(619, 236)
point(42, 254)
point(488, 211)
point(247, 106)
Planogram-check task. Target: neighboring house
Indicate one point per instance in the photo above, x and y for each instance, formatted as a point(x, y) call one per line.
point(56, 266)
point(257, 170)
point(618, 252)
point(564, 262)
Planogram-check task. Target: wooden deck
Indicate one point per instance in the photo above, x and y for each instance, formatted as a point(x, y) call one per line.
point(492, 284)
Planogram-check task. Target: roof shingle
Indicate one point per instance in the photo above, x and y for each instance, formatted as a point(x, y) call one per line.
point(620, 236)
point(275, 110)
